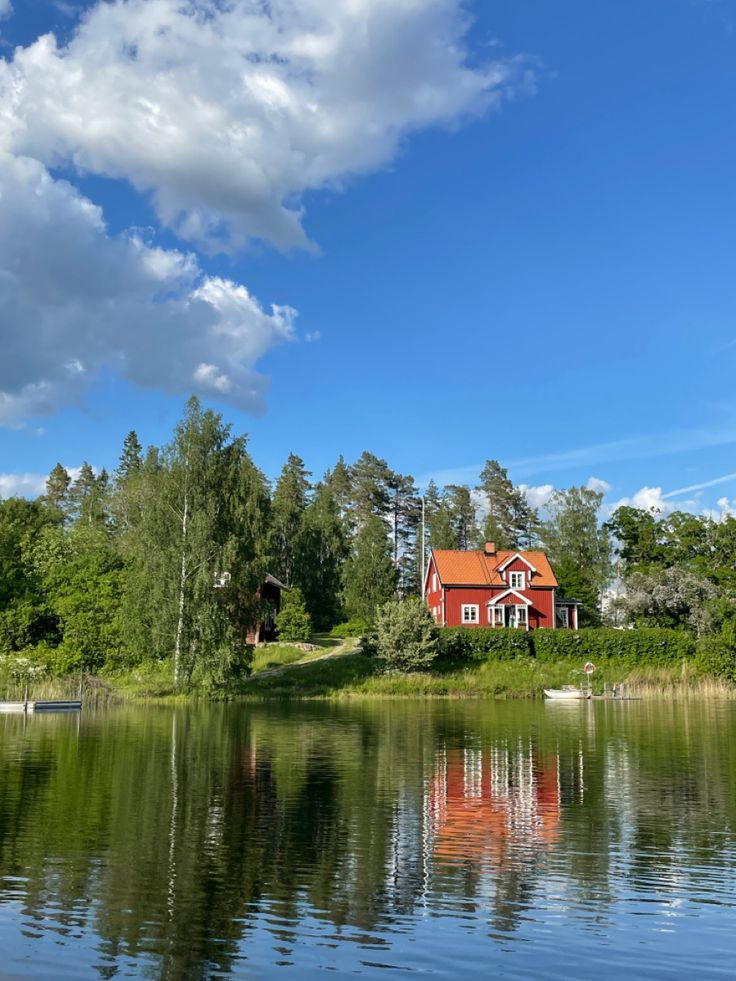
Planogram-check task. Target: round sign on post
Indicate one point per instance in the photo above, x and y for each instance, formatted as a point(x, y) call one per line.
point(589, 667)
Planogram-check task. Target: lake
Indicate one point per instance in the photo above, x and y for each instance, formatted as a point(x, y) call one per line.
point(414, 838)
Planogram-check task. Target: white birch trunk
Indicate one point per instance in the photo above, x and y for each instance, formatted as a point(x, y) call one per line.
point(182, 583)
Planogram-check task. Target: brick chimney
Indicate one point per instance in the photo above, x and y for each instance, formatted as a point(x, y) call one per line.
point(489, 548)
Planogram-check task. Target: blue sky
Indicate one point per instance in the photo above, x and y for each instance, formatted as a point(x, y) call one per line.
point(534, 263)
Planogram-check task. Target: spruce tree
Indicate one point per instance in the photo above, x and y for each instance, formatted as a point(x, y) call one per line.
point(511, 522)
point(370, 576)
point(288, 505)
point(321, 554)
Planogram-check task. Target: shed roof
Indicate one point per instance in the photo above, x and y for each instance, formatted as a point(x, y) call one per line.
point(458, 568)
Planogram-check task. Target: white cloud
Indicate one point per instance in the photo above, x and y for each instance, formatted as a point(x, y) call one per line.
point(73, 298)
point(227, 112)
point(537, 496)
point(6, 9)
point(598, 485)
point(21, 484)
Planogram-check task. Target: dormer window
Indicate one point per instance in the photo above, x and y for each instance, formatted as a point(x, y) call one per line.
point(517, 580)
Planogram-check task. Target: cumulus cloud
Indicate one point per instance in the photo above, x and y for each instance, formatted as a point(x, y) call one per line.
point(537, 496)
point(21, 485)
point(646, 499)
point(598, 485)
point(227, 112)
point(73, 298)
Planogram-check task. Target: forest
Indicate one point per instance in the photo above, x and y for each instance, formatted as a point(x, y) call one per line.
point(162, 559)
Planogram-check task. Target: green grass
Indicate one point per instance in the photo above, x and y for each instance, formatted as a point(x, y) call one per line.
point(359, 675)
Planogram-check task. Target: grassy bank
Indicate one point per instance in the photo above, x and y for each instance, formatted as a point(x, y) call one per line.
point(358, 675)
point(285, 671)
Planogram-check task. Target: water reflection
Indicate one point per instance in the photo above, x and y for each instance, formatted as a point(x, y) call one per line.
point(240, 841)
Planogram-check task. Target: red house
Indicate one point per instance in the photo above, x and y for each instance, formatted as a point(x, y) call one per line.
point(490, 588)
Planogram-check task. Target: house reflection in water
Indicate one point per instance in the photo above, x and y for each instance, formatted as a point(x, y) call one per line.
point(483, 804)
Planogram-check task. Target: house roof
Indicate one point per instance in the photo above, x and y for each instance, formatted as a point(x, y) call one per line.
point(458, 568)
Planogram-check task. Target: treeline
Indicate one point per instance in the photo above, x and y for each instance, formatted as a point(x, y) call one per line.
point(163, 558)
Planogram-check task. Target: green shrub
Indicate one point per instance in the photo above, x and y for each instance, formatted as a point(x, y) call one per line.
point(715, 656)
point(641, 646)
point(352, 628)
point(483, 644)
point(293, 622)
point(405, 635)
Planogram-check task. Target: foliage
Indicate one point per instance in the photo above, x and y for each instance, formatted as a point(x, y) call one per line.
point(351, 628)
point(370, 576)
point(673, 597)
point(716, 656)
point(483, 643)
point(293, 622)
point(511, 522)
point(405, 635)
point(320, 556)
point(289, 503)
point(579, 548)
point(645, 646)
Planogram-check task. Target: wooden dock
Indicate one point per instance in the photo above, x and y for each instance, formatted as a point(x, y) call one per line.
point(56, 705)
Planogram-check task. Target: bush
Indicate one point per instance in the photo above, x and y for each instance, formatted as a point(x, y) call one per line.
point(293, 622)
point(484, 644)
point(352, 628)
point(405, 636)
point(641, 646)
point(715, 656)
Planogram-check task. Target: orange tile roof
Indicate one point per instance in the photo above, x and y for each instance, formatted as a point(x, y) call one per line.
point(458, 568)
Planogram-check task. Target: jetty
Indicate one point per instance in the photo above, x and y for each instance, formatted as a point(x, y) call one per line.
point(56, 705)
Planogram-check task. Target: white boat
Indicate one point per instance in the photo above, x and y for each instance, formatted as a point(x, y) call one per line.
point(569, 692)
point(56, 705)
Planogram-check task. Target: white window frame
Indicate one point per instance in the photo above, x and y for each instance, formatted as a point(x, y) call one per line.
point(522, 620)
point(521, 584)
point(470, 613)
point(495, 616)
point(564, 614)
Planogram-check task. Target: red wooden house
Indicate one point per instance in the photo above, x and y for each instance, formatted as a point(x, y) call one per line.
point(490, 588)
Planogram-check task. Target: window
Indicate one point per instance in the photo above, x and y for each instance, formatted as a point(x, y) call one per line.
point(563, 616)
point(516, 580)
point(521, 616)
point(469, 613)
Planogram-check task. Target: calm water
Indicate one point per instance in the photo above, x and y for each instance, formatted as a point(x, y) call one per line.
point(440, 839)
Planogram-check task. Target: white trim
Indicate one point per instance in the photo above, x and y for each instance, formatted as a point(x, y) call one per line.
point(429, 567)
point(565, 620)
point(509, 592)
point(469, 606)
point(574, 618)
point(516, 555)
point(522, 584)
point(444, 621)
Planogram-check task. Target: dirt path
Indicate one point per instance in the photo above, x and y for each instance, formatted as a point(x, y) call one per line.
point(342, 650)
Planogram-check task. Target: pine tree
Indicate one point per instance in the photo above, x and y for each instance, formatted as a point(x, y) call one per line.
point(370, 576)
point(511, 522)
point(58, 485)
point(341, 486)
point(369, 477)
point(459, 503)
point(440, 530)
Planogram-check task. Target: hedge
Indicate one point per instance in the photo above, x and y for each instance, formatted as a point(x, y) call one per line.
point(640, 646)
point(652, 645)
point(717, 657)
point(483, 643)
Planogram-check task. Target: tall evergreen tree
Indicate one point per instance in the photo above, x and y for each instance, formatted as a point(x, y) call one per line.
point(288, 505)
point(460, 506)
point(369, 479)
point(511, 522)
point(340, 484)
point(322, 551)
point(58, 485)
point(370, 576)
point(131, 457)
